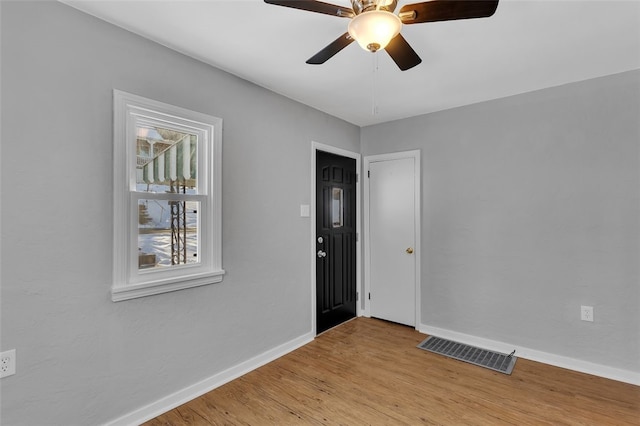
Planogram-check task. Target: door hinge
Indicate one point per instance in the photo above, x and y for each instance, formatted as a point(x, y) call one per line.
point(368, 173)
point(357, 296)
point(369, 296)
point(357, 237)
point(357, 178)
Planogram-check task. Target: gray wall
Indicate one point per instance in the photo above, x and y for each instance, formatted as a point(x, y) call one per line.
point(530, 208)
point(82, 359)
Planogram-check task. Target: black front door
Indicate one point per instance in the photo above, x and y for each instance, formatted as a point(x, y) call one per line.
point(335, 240)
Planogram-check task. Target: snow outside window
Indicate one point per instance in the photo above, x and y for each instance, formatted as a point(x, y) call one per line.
point(167, 212)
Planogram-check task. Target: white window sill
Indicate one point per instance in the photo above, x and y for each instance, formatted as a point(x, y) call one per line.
point(133, 291)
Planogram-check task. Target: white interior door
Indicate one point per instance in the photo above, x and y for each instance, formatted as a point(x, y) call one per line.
point(393, 239)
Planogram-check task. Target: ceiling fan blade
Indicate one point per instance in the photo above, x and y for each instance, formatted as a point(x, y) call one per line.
point(328, 52)
point(447, 10)
point(402, 54)
point(315, 6)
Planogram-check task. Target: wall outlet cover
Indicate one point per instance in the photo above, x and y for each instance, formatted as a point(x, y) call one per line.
point(586, 313)
point(8, 363)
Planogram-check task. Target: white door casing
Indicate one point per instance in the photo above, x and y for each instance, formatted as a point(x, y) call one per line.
point(392, 237)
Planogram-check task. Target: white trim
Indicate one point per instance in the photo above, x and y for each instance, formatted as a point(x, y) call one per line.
point(415, 154)
point(133, 291)
point(561, 361)
point(128, 280)
point(317, 146)
point(189, 393)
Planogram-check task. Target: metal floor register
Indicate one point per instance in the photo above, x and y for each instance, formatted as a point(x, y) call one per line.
point(496, 361)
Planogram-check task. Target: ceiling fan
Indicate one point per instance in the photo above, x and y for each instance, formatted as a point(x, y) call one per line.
point(374, 25)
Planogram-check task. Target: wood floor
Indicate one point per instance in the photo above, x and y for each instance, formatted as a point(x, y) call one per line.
point(369, 372)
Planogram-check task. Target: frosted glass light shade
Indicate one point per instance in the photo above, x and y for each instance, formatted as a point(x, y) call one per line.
point(373, 30)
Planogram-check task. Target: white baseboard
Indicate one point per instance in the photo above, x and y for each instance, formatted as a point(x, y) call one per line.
point(176, 399)
point(535, 355)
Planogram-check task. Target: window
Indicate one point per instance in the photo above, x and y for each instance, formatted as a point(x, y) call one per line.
point(337, 208)
point(167, 211)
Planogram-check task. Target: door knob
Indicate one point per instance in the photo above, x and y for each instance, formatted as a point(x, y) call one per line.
point(321, 254)
point(410, 250)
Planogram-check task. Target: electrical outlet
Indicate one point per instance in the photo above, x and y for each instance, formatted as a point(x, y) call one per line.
point(586, 313)
point(8, 363)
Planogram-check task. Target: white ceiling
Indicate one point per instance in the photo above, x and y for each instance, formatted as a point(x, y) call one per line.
point(524, 46)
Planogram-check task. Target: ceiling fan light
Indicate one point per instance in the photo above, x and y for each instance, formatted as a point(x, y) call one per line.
point(373, 30)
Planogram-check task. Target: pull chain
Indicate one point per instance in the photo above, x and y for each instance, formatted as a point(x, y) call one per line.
point(374, 102)
point(375, 73)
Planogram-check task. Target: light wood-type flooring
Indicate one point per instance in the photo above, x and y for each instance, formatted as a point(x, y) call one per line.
point(369, 372)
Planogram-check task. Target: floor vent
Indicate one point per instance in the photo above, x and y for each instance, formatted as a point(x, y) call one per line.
point(484, 358)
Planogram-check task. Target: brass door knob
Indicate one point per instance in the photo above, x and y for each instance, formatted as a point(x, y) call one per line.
point(410, 250)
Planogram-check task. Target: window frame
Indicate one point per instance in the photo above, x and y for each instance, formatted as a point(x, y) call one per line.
point(129, 281)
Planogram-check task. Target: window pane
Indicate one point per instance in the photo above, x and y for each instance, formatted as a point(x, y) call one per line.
point(166, 160)
point(167, 233)
point(337, 208)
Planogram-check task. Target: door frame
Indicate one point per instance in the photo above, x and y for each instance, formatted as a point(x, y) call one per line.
point(317, 146)
point(415, 154)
